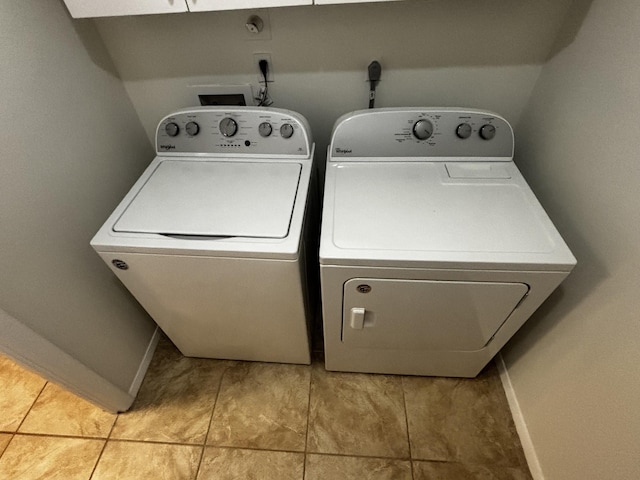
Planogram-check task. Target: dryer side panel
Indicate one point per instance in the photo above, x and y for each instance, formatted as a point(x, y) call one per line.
point(425, 314)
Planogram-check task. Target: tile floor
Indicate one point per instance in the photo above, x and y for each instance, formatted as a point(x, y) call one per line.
point(219, 420)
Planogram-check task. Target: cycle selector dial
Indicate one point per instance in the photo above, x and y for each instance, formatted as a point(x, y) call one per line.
point(463, 131)
point(422, 129)
point(286, 130)
point(192, 129)
point(487, 132)
point(228, 127)
point(172, 129)
point(265, 129)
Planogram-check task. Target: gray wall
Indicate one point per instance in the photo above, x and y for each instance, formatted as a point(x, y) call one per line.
point(472, 53)
point(575, 367)
point(72, 145)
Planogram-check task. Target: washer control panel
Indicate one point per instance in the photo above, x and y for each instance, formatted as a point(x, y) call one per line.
point(422, 132)
point(234, 130)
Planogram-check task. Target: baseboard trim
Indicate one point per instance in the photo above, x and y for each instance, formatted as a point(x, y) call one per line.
point(144, 364)
point(38, 354)
point(518, 419)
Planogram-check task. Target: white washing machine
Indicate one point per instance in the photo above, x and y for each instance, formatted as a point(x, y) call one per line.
point(434, 250)
point(212, 240)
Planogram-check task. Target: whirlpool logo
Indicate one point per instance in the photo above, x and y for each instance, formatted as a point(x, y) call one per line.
point(344, 151)
point(167, 147)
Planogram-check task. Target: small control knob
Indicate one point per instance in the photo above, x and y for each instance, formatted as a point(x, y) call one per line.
point(422, 129)
point(487, 132)
point(172, 129)
point(463, 131)
point(192, 128)
point(286, 130)
point(228, 127)
point(265, 129)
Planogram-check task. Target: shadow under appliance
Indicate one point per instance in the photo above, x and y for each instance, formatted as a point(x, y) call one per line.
point(434, 250)
point(212, 238)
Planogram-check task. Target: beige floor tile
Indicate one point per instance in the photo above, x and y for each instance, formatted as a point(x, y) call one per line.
point(19, 388)
point(175, 401)
point(461, 420)
point(357, 414)
point(326, 467)
point(5, 438)
point(262, 405)
point(236, 464)
point(147, 461)
point(59, 412)
point(34, 457)
point(458, 471)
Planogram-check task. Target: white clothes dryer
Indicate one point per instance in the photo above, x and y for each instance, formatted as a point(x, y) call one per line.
point(434, 250)
point(212, 240)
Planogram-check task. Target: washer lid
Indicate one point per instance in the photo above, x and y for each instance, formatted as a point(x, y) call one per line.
point(221, 198)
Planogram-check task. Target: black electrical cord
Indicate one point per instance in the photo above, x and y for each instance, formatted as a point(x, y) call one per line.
point(375, 70)
point(264, 69)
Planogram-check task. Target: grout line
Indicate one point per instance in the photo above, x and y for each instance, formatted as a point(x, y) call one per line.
point(57, 435)
point(213, 409)
point(406, 419)
point(32, 405)
point(357, 455)
point(7, 445)
point(106, 440)
point(306, 437)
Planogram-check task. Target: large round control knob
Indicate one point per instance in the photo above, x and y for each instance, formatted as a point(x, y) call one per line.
point(422, 129)
point(487, 132)
point(286, 130)
point(265, 129)
point(463, 131)
point(192, 128)
point(228, 127)
point(172, 129)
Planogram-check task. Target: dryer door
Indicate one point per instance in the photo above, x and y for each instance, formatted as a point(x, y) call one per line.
point(426, 314)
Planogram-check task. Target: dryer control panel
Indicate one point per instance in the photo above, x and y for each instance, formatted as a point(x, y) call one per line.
point(232, 131)
point(433, 133)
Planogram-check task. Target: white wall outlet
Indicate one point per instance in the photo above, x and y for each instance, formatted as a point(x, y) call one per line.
point(256, 60)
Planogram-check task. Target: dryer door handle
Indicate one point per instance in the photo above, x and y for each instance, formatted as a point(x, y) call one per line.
point(357, 318)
